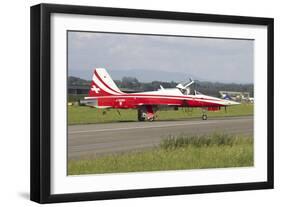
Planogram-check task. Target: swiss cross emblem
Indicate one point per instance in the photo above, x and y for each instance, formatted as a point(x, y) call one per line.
point(95, 89)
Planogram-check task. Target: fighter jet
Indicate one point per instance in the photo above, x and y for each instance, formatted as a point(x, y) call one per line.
point(104, 94)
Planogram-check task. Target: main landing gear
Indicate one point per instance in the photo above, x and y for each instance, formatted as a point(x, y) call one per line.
point(141, 115)
point(146, 113)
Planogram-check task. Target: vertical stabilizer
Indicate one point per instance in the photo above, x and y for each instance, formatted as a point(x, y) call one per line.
point(102, 84)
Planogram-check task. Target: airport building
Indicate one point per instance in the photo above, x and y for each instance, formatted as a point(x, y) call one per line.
point(237, 96)
point(80, 89)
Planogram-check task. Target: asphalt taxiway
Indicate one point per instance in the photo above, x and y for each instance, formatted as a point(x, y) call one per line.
point(100, 139)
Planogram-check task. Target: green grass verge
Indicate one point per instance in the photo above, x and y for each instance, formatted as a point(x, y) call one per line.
point(87, 115)
point(174, 153)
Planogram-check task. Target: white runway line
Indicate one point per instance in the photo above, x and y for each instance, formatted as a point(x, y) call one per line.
point(140, 127)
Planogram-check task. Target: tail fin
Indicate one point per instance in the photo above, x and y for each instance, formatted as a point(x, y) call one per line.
point(103, 85)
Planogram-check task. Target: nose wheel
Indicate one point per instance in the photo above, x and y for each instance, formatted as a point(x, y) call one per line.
point(204, 117)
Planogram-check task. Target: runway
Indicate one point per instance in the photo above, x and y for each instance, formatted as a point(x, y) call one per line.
point(101, 139)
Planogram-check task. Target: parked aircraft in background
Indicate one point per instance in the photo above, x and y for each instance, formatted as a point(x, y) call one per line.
point(105, 94)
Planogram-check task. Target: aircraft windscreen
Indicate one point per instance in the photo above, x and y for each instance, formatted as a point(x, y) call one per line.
point(197, 93)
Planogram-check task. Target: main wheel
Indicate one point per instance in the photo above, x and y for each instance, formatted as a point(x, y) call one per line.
point(140, 115)
point(151, 119)
point(204, 117)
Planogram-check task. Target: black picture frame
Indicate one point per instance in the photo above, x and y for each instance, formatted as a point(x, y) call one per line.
point(40, 184)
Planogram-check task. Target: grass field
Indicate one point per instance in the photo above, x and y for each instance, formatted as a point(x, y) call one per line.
point(87, 115)
point(174, 153)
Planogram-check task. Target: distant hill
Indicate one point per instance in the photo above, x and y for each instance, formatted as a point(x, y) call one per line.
point(212, 88)
point(74, 81)
point(143, 75)
point(151, 75)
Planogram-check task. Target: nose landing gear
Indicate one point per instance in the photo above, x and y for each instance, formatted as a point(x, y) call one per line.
point(204, 117)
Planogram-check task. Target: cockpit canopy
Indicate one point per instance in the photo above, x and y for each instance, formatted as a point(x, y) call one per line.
point(189, 91)
point(184, 87)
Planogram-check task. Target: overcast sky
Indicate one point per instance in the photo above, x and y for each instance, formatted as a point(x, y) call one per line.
point(146, 57)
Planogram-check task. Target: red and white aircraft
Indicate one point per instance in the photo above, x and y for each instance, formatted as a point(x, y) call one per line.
point(105, 94)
